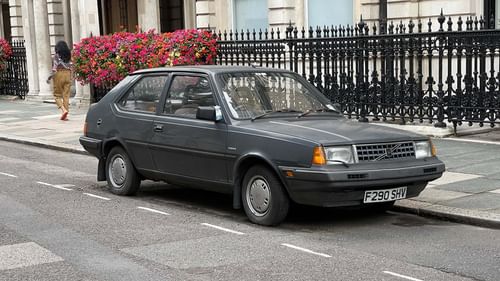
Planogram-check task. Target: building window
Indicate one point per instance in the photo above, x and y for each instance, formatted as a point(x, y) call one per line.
point(6, 21)
point(171, 15)
point(320, 12)
point(250, 14)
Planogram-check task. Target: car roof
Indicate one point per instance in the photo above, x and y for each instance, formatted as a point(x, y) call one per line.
point(208, 69)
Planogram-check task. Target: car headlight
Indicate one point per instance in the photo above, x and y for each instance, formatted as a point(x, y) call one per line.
point(424, 149)
point(339, 154)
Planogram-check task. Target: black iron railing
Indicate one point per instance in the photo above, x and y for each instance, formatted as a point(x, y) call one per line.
point(14, 79)
point(414, 72)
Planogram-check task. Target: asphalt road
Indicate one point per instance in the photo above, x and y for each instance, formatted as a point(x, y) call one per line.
point(58, 223)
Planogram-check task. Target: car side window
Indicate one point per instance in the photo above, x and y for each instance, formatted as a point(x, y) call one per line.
point(186, 94)
point(145, 94)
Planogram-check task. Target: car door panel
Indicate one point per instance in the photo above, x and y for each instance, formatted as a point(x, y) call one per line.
point(183, 145)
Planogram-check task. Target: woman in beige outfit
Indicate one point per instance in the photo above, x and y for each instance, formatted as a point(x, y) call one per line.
point(61, 72)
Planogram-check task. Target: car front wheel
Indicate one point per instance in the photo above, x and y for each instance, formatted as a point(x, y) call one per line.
point(264, 198)
point(120, 173)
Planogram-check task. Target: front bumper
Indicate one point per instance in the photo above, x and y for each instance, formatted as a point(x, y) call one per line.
point(336, 185)
point(91, 145)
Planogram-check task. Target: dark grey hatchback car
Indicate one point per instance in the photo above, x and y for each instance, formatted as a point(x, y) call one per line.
point(266, 136)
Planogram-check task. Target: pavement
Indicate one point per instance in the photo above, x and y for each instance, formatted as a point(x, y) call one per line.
point(468, 192)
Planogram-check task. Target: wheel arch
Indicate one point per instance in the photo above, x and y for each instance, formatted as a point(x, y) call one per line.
point(242, 165)
point(106, 148)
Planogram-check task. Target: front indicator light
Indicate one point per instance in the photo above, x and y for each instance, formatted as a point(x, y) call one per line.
point(318, 156)
point(433, 149)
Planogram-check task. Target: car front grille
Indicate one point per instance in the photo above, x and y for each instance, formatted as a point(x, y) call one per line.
point(385, 151)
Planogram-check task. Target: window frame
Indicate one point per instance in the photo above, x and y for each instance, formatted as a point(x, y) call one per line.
point(132, 87)
point(166, 94)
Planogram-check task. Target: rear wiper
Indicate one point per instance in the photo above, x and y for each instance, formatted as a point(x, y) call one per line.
point(284, 110)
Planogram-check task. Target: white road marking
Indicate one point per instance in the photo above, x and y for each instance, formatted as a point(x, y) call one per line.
point(24, 255)
point(54, 186)
point(97, 196)
point(153, 210)
point(402, 276)
point(9, 119)
point(8, 175)
point(473, 141)
point(223, 229)
point(47, 117)
point(305, 250)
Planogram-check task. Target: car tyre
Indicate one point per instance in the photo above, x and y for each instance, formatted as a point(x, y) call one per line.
point(121, 175)
point(264, 198)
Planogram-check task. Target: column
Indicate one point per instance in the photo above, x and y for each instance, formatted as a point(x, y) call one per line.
point(217, 15)
point(281, 13)
point(84, 22)
point(43, 51)
point(148, 12)
point(2, 35)
point(30, 44)
point(67, 22)
point(189, 14)
point(75, 38)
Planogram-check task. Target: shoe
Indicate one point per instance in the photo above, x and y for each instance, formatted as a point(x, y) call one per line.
point(64, 115)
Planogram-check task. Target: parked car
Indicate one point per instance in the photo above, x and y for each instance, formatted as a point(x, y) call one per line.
point(266, 136)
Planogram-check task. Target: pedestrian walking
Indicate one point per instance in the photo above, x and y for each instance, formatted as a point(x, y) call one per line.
point(61, 73)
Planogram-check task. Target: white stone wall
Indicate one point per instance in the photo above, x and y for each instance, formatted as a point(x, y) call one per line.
point(16, 19)
point(148, 13)
point(404, 10)
point(56, 22)
point(219, 15)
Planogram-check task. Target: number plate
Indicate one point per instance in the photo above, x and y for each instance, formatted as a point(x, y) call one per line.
point(384, 195)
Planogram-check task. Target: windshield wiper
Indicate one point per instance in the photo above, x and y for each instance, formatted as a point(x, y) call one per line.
point(284, 110)
point(315, 110)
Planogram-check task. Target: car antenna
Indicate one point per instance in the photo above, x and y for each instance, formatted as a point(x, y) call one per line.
point(246, 57)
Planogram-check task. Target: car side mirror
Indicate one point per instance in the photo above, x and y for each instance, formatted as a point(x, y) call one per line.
point(212, 113)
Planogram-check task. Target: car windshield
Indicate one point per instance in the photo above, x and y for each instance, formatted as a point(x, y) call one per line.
point(252, 95)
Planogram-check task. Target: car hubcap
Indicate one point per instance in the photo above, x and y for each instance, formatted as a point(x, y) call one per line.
point(258, 196)
point(118, 170)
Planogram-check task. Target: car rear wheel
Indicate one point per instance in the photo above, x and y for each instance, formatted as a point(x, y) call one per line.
point(120, 173)
point(264, 198)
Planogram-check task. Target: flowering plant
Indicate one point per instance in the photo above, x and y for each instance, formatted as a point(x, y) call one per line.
point(105, 60)
point(5, 53)
point(191, 47)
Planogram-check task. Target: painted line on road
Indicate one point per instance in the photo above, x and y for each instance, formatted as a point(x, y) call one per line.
point(153, 210)
point(54, 186)
point(401, 276)
point(97, 196)
point(8, 175)
point(223, 229)
point(473, 141)
point(46, 117)
point(305, 250)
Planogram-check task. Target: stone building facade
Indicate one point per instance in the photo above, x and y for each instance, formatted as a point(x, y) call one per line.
point(41, 23)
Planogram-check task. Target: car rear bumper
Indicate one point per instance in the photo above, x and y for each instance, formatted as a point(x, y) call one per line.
point(91, 145)
point(345, 186)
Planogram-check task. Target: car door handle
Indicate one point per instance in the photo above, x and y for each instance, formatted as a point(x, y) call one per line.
point(158, 128)
point(99, 122)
